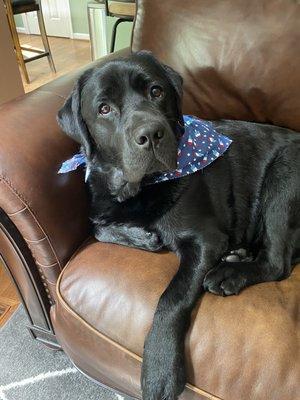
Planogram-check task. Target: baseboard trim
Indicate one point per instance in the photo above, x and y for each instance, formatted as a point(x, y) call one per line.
point(21, 30)
point(78, 35)
point(81, 36)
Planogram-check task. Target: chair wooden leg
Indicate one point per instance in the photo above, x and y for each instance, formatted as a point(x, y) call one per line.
point(15, 37)
point(45, 40)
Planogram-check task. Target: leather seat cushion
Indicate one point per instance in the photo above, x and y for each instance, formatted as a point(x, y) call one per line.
point(239, 347)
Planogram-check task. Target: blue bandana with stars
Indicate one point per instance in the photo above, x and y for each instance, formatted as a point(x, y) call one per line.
point(199, 145)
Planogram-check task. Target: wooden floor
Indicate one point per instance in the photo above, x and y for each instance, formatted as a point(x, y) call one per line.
point(68, 55)
point(9, 299)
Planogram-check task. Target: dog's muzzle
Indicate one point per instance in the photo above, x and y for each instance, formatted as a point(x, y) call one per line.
point(149, 136)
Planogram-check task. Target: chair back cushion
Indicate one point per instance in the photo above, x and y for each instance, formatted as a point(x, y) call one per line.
point(240, 59)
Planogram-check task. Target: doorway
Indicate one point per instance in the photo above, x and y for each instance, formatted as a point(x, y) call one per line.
point(57, 17)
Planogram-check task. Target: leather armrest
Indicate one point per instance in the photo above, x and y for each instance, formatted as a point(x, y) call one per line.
point(49, 210)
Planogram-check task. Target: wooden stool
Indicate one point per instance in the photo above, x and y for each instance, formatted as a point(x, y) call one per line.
point(14, 7)
point(124, 10)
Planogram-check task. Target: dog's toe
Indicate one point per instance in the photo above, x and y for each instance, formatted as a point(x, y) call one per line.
point(224, 280)
point(153, 242)
point(232, 286)
point(213, 287)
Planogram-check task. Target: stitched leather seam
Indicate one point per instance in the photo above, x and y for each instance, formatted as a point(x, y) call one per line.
point(34, 241)
point(51, 283)
point(78, 250)
point(65, 305)
point(46, 266)
point(20, 197)
point(17, 212)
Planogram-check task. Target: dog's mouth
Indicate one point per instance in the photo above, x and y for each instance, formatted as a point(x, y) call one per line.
point(150, 151)
point(158, 161)
point(133, 179)
point(126, 184)
point(162, 162)
point(137, 178)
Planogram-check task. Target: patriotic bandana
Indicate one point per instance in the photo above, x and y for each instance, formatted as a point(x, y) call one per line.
point(199, 145)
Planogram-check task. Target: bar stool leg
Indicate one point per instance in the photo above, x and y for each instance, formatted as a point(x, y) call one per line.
point(15, 37)
point(114, 34)
point(45, 39)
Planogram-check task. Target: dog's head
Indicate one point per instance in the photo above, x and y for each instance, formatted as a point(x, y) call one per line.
point(125, 114)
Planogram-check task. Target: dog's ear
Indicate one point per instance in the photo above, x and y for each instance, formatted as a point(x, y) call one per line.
point(69, 116)
point(177, 82)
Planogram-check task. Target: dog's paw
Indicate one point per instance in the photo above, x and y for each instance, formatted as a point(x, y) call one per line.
point(146, 240)
point(161, 388)
point(225, 280)
point(152, 242)
point(163, 372)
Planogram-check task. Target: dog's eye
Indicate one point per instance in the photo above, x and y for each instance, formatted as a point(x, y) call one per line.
point(156, 91)
point(104, 109)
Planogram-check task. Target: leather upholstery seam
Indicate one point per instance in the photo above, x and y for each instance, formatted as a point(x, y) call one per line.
point(25, 203)
point(17, 212)
point(34, 241)
point(66, 306)
point(46, 266)
point(78, 250)
point(51, 283)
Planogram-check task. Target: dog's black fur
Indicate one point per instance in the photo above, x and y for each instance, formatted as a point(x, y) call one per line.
point(250, 197)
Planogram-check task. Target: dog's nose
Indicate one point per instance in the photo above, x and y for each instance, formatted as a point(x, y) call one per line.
point(149, 135)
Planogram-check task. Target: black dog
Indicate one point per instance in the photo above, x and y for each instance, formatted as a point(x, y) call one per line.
point(124, 113)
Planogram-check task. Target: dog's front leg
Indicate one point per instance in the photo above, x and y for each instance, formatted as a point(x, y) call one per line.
point(163, 370)
point(128, 235)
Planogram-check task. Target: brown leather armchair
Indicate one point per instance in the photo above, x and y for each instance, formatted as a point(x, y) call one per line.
point(239, 60)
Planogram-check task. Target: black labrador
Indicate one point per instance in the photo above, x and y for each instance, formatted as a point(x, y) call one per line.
point(124, 114)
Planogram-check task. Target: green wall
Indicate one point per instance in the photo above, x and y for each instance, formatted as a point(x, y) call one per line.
point(123, 33)
point(80, 23)
point(19, 21)
point(79, 15)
